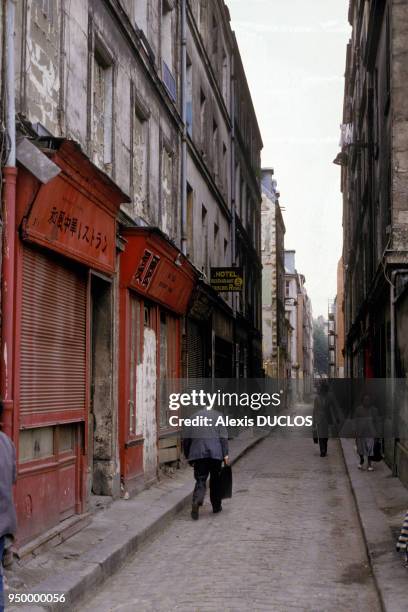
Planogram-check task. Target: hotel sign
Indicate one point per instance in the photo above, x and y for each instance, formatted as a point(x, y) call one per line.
point(227, 279)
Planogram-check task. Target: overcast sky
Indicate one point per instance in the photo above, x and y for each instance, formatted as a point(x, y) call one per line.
point(294, 55)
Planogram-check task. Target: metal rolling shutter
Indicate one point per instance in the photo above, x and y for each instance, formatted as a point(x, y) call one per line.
point(195, 351)
point(53, 336)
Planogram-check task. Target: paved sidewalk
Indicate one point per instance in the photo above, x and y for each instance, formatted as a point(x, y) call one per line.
point(88, 558)
point(381, 502)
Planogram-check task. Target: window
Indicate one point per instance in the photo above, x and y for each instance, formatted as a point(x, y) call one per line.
point(204, 234)
point(141, 8)
point(216, 241)
point(224, 170)
point(102, 100)
point(215, 149)
point(166, 208)
point(167, 48)
point(224, 84)
point(189, 97)
point(202, 16)
point(190, 222)
point(243, 203)
point(214, 38)
point(287, 288)
point(36, 444)
point(225, 250)
point(46, 8)
point(202, 118)
point(140, 161)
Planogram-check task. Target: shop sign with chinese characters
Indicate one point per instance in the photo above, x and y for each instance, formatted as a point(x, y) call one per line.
point(154, 267)
point(226, 279)
point(64, 219)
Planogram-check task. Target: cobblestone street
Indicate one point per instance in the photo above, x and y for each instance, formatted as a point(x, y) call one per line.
point(288, 540)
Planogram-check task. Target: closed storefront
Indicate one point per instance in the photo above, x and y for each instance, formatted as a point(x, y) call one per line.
point(65, 263)
point(52, 383)
point(196, 354)
point(156, 283)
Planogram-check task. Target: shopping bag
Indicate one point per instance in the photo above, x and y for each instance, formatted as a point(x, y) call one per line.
point(226, 482)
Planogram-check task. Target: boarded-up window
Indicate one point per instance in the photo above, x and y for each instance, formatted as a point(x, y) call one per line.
point(140, 163)
point(102, 111)
point(167, 192)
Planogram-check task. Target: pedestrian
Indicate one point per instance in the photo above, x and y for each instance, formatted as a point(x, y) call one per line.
point(322, 417)
point(206, 447)
point(402, 544)
point(365, 424)
point(8, 520)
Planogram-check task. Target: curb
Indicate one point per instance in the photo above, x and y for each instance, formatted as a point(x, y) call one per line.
point(390, 577)
point(101, 562)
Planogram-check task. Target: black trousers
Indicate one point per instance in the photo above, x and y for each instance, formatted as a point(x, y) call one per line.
point(202, 469)
point(323, 445)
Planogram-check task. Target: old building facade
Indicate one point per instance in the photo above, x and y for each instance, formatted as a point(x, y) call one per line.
point(298, 309)
point(336, 327)
point(374, 184)
point(274, 323)
point(119, 202)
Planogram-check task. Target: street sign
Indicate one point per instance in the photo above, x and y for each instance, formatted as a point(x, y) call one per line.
point(227, 279)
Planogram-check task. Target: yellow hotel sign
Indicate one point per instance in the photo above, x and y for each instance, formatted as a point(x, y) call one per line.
point(227, 279)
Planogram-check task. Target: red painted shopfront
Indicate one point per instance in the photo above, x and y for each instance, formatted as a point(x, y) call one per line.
point(156, 283)
point(67, 238)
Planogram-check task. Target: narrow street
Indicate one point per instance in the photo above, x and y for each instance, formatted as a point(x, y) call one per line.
point(288, 540)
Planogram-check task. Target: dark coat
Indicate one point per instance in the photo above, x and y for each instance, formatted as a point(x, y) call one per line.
point(8, 474)
point(209, 442)
point(322, 416)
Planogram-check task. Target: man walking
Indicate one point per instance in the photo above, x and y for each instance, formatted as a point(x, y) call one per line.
point(205, 448)
point(8, 520)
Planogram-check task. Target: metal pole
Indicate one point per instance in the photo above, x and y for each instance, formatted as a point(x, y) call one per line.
point(10, 86)
point(184, 129)
point(9, 230)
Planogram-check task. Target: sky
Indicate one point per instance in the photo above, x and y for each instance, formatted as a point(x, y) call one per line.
point(294, 54)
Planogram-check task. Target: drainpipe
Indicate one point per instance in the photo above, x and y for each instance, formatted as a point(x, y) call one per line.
point(233, 210)
point(393, 301)
point(9, 229)
point(233, 177)
point(184, 132)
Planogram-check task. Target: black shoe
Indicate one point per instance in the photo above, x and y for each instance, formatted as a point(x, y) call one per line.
point(216, 510)
point(194, 512)
point(323, 454)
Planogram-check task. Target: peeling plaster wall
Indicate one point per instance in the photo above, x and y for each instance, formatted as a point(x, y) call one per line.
point(42, 67)
point(399, 86)
point(55, 80)
point(146, 402)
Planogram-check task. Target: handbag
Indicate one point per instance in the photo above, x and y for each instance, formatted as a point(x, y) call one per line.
point(226, 482)
point(377, 451)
